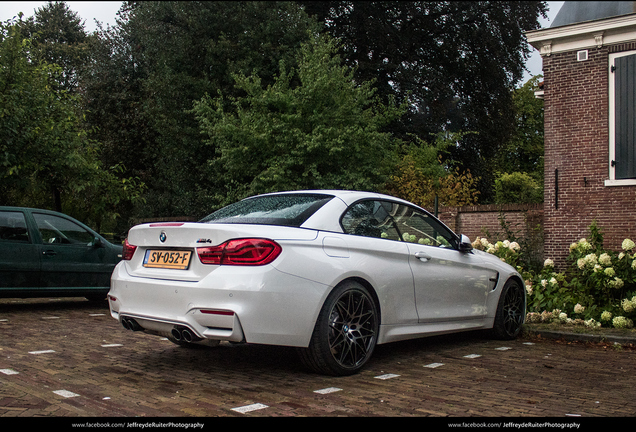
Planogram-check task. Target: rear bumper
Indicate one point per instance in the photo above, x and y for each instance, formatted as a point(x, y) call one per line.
point(239, 304)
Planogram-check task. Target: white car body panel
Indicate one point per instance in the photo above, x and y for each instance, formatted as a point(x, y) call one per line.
point(279, 303)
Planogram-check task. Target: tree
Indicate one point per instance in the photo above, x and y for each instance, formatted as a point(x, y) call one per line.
point(314, 127)
point(46, 157)
point(457, 61)
point(58, 37)
point(422, 177)
point(523, 152)
point(159, 58)
point(517, 188)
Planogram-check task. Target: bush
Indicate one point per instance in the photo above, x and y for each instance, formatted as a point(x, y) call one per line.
point(516, 188)
point(599, 288)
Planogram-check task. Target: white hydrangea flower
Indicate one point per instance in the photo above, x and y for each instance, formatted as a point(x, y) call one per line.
point(605, 259)
point(622, 322)
point(592, 323)
point(616, 283)
point(609, 272)
point(580, 263)
point(548, 263)
point(553, 281)
point(606, 316)
point(533, 317)
point(627, 305)
point(628, 244)
point(584, 244)
point(578, 308)
point(514, 246)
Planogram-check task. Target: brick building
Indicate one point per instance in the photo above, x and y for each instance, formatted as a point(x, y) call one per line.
point(589, 92)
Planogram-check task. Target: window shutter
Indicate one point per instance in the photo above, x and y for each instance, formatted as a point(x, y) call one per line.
point(625, 109)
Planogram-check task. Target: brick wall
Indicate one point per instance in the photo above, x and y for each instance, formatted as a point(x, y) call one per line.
point(577, 154)
point(522, 222)
point(486, 220)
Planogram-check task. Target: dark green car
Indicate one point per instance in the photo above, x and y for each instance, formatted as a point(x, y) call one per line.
point(49, 254)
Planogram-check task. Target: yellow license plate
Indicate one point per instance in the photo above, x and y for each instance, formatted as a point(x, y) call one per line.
point(168, 259)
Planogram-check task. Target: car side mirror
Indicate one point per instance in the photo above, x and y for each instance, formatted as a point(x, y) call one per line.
point(464, 244)
point(97, 242)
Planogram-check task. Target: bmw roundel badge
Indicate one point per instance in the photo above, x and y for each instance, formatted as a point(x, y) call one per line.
point(162, 237)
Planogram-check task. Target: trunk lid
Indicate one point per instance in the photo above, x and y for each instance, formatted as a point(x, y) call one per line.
point(173, 241)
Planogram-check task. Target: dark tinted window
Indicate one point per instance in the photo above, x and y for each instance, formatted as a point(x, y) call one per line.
point(57, 230)
point(285, 210)
point(13, 227)
point(371, 219)
point(383, 219)
point(418, 227)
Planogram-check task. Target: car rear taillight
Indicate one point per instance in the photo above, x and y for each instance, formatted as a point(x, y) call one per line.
point(247, 252)
point(129, 251)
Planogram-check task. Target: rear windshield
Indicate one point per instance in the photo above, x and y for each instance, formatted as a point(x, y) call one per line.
point(285, 210)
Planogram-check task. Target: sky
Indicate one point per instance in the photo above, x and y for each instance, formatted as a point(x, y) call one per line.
point(105, 12)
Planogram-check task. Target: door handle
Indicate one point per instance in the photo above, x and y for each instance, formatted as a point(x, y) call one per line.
point(49, 253)
point(422, 256)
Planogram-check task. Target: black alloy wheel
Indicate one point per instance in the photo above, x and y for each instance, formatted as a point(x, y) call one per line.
point(511, 311)
point(346, 332)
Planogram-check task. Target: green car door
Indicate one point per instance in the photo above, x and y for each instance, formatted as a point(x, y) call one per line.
point(19, 254)
point(71, 255)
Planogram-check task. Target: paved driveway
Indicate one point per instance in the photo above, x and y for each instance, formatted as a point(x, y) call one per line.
point(68, 357)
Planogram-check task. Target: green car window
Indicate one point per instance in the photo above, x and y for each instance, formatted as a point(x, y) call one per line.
point(13, 227)
point(57, 230)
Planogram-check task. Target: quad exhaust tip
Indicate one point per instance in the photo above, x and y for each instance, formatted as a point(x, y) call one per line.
point(179, 333)
point(131, 324)
point(184, 334)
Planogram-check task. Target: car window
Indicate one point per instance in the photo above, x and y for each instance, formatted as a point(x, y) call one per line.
point(422, 228)
point(13, 227)
point(58, 230)
point(284, 209)
point(371, 218)
point(383, 219)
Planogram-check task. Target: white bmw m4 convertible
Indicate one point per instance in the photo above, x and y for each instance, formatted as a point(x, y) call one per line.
point(331, 272)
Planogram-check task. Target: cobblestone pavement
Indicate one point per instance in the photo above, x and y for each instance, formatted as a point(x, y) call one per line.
point(69, 358)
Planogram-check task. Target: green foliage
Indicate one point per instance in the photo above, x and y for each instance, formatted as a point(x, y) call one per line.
point(314, 127)
point(162, 56)
point(517, 188)
point(58, 37)
point(46, 158)
point(598, 290)
point(599, 287)
point(523, 152)
point(457, 61)
point(421, 175)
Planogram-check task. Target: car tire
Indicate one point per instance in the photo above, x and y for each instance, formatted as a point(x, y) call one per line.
point(511, 311)
point(345, 333)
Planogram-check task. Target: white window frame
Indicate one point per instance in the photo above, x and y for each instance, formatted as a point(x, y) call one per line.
point(612, 181)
